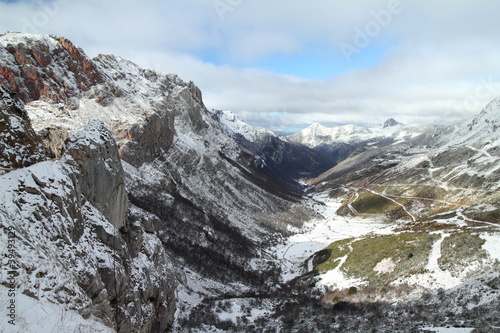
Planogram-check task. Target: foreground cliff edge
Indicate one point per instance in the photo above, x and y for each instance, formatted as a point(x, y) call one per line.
point(128, 206)
point(73, 241)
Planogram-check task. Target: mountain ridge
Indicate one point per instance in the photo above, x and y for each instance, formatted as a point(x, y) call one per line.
point(317, 134)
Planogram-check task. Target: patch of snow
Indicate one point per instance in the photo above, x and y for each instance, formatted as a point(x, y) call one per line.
point(434, 277)
point(492, 245)
point(15, 38)
point(335, 279)
point(39, 316)
point(385, 266)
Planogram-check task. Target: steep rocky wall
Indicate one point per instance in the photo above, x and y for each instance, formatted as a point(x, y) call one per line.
point(100, 178)
point(19, 144)
point(31, 69)
point(75, 243)
point(191, 192)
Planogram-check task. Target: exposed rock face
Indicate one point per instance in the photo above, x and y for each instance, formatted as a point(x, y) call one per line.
point(28, 69)
point(194, 191)
point(391, 122)
point(75, 243)
point(101, 179)
point(19, 144)
point(53, 70)
point(145, 122)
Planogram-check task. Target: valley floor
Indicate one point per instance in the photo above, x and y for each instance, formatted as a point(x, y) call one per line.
point(240, 310)
point(316, 234)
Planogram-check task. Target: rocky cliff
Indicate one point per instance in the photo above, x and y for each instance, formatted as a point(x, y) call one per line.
point(74, 241)
point(20, 145)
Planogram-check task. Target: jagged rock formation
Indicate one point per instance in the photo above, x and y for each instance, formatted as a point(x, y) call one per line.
point(75, 243)
point(19, 144)
point(58, 74)
point(101, 178)
point(391, 122)
point(31, 70)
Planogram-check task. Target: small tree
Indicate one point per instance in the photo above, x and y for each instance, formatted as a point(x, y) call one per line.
point(352, 291)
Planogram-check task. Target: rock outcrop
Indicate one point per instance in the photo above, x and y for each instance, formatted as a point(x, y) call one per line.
point(29, 69)
point(60, 77)
point(94, 153)
point(391, 122)
point(75, 242)
point(19, 144)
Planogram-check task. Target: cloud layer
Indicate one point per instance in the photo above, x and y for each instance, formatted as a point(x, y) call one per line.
point(412, 60)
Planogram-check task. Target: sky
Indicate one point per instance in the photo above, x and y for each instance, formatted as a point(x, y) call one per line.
point(285, 64)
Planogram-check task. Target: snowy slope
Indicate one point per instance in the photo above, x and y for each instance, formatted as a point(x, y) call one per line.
point(202, 187)
point(237, 126)
point(460, 156)
point(482, 129)
point(459, 159)
point(442, 186)
point(39, 316)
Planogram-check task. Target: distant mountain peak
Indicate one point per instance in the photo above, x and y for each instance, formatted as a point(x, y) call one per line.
point(390, 123)
point(316, 127)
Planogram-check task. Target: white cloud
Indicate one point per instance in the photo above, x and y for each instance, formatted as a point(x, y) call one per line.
point(442, 65)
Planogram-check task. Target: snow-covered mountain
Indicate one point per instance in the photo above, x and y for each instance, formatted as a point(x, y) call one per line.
point(390, 123)
point(480, 129)
point(271, 153)
point(441, 189)
point(317, 134)
point(237, 126)
point(190, 186)
point(134, 208)
point(464, 155)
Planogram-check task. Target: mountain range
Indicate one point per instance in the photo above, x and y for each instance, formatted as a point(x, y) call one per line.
point(129, 206)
